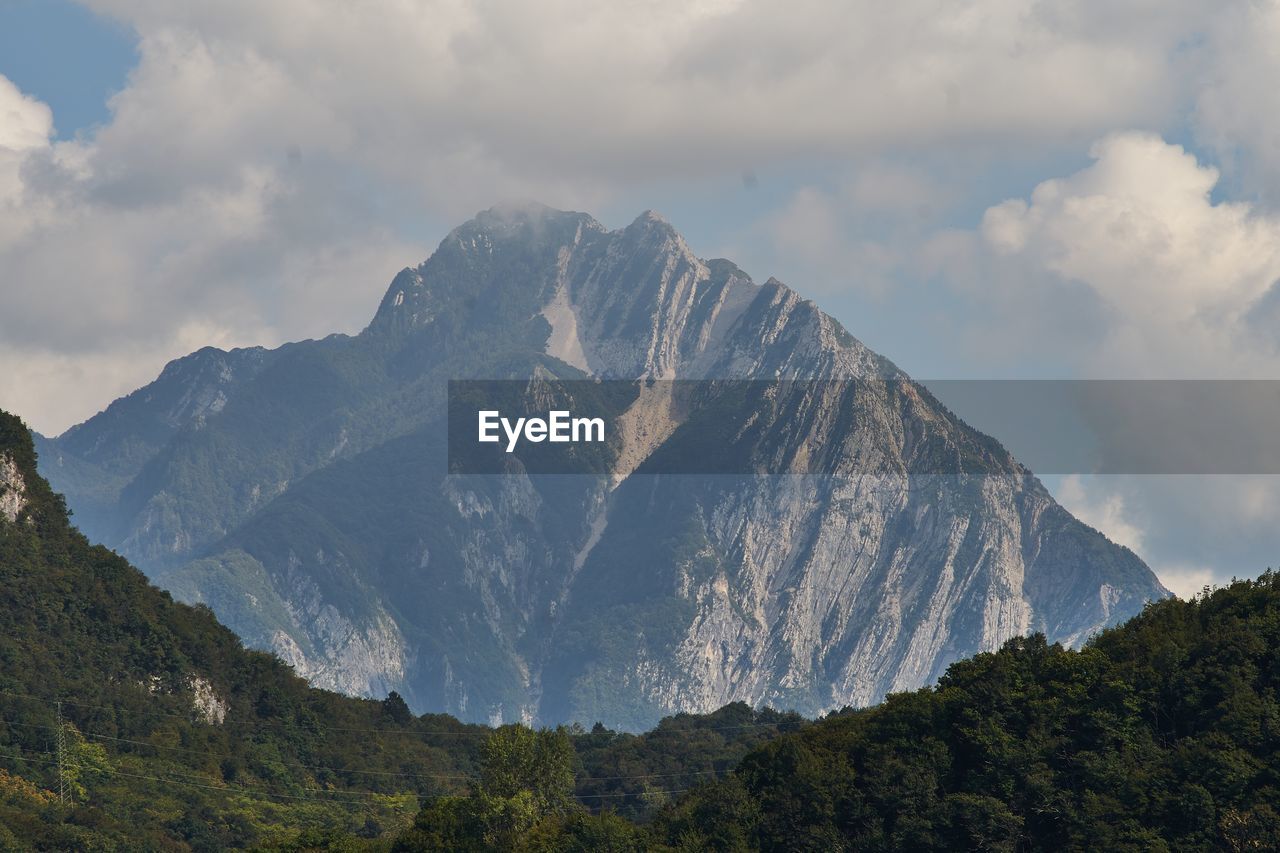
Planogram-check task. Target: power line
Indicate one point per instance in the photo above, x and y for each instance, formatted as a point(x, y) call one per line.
point(469, 777)
point(255, 725)
point(408, 775)
point(331, 796)
point(48, 756)
point(326, 794)
point(470, 730)
point(472, 777)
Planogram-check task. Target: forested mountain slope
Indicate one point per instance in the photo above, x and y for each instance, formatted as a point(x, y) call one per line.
point(175, 734)
point(1161, 734)
point(176, 737)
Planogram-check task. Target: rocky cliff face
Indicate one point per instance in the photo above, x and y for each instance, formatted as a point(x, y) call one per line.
point(13, 489)
point(301, 493)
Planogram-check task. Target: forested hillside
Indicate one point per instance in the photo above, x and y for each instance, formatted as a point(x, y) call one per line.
point(174, 734)
point(175, 737)
point(1162, 734)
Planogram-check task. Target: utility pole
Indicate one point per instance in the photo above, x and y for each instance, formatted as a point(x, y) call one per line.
point(62, 757)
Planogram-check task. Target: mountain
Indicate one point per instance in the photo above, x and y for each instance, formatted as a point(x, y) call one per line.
point(302, 494)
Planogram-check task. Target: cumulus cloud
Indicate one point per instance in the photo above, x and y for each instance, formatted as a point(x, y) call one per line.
point(111, 270)
point(1191, 530)
point(25, 123)
point(824, 245)
point(1105, 512)
point(1188, 581)
point(590, 90)
point(268, 166)
point(1098, 502)
point(1234, 112)
point(1130, 267)
point(1178, 276)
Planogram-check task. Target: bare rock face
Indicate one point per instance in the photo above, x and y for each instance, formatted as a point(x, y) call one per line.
point(13, 489)
point(208, 706)
point(300, 493)
point(365, 658)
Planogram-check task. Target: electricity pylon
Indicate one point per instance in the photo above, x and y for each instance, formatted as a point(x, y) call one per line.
point(61, 741)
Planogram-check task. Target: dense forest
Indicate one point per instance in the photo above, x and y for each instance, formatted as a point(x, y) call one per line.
point(1162, 734)
point(175, 737)
point(128, 721)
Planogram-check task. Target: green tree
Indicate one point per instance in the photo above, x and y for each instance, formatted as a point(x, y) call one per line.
point(526, 776)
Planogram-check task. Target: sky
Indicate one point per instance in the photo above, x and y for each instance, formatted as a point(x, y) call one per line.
point(995, 189)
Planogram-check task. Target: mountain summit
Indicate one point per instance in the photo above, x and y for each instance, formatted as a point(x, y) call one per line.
point(300, 493)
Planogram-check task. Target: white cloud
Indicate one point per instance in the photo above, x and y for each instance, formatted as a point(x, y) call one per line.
point(813, 233)
point(263, 159)
point(1105, 512)
point(578, 89)
point(110, 268)
point(857, 233)
point(1176, 277)
point(1138, 226)
point(45, 375)
point(1186, 582)
point(892, 188)
point(1191, 530)
point(1129, 267)
point(24, 122)
point(1185, 567)
point(1235, 111)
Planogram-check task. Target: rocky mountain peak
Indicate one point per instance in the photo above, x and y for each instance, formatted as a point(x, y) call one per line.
point(332, 539)
point(653, 224)
point(527, 220)
point(465, 269)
